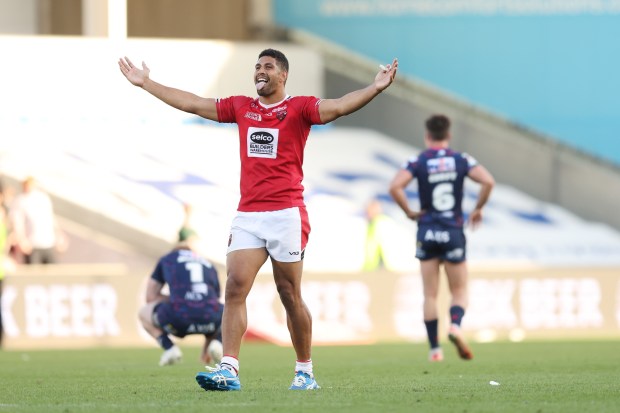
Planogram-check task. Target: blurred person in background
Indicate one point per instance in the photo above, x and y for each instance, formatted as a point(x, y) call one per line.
point(36, 234)
point(440, 174)
point(6, 262)
point(187, 227)
point(272, 221)
point(7, 194)
point(4, 257)
point(192, 306)
point(379, 230)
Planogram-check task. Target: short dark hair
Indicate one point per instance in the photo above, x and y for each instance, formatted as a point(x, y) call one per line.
point(438, 127)
point(281, 60)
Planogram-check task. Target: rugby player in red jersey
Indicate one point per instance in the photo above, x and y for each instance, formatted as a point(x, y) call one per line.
point(271, 221)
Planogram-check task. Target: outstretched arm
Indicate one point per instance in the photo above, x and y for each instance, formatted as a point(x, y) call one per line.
point(332, 109)
point(180, 99)
point(481, 175)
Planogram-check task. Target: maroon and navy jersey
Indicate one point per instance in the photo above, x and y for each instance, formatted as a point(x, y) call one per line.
point(441, 174)
point(192, 280)
point(272, 141)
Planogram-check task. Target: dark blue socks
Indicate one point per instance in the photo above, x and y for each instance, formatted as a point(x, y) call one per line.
point(164, 341)
point(431, 331)
point(456, 314)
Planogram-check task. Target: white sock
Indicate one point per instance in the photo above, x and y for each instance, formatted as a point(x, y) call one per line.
point(230, 363)
point(305, 366)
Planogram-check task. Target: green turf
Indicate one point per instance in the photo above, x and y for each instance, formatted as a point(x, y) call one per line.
point(534, 377)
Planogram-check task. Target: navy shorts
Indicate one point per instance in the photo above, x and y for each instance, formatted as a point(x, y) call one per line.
point(445, 243)
point(184, 321)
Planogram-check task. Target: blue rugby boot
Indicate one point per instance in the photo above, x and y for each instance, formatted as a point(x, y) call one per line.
point(304, 381)
point(218, 378)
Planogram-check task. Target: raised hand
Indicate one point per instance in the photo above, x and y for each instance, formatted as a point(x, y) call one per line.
point(385, 77)
point(136, 76)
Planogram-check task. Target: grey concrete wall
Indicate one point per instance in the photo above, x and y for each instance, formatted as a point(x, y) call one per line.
point(18, 17)
point(524, 159)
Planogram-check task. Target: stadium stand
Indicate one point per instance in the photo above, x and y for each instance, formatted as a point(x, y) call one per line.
point(119, 167)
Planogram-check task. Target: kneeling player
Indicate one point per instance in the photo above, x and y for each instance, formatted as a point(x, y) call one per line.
point(192, 307)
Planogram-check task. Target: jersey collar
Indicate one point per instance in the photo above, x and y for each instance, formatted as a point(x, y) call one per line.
point(273, 105)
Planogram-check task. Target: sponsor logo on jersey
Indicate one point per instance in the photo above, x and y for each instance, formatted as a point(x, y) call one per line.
point(411, 161)
point(261, 137)
point(471, 161)
point(201, 328)
point(280, 112)
point(455, 254)
point(253, 115)
point(441, 169)
point(297, 253)
point(444, 164)
point(262, 142)
point(437, 236)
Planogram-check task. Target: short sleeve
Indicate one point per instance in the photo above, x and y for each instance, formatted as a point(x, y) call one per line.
point(411, 164)
point(310, 110)
point(471, 161)
point(226, 110)
point(158, 273)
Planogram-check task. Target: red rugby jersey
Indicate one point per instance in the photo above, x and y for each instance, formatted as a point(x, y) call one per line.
point(272, 141)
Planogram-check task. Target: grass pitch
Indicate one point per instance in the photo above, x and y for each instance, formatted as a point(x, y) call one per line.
point(533, 377)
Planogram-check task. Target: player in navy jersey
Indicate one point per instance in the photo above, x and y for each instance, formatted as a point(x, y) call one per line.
point(193, 305)
point(440, 173)
point(271, 222)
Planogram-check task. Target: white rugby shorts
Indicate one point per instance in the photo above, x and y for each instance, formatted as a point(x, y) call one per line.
point(284, 233)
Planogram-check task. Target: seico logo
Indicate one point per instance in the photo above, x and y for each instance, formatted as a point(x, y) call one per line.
point(261, 137)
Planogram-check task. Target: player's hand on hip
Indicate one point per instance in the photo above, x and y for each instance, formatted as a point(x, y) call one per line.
point(136, 76)
point(475, 218)
point(414, 215)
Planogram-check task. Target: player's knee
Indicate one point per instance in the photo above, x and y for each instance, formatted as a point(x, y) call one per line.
point(236, 289)
point(145, 315)
point(288, 295)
